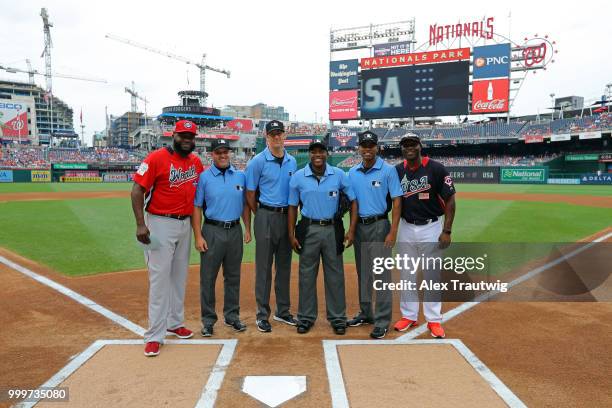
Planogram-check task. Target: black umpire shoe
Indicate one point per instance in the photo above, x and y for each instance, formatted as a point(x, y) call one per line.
point(358, 320)
point(378, 332)
point(207, 331)
point(287, 319)
point(264, 326)
point(339, 329)
point(237, 325)
point(303, 327)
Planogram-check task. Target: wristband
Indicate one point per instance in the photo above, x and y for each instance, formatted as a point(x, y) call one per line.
point(447, 231)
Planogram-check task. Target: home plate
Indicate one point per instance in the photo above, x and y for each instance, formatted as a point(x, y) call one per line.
point(273, 390)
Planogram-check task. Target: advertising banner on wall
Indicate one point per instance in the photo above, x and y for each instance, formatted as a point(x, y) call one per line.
point(241, 125)
point(343, 74)
point(13, 120)
point(474, 174)
point(564, 137)
point(530, 175)
point(427, 57)
point(343, 105)
point(382, 50)
point(492, 95)
point(6, 176)
point(419, 90)
point(594, 178)
point(589, 135)
point(491, 61)
point(40, 176)
point(534, 138)
point(115, 177)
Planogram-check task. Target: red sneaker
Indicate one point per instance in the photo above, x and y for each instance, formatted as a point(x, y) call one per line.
point(152, 349)
point(180, 332)
point(404, 324)
point(436, 330)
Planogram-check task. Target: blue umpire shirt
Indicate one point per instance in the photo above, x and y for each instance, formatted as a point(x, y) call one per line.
point(319, 198)
point(223, 194)
point(271, 177)
point(372, 186)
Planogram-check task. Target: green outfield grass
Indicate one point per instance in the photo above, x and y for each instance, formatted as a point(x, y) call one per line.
point(81, 237)
point(501, 188)
point(55, 187)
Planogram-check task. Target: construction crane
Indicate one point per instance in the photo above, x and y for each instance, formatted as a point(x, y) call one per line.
point(47, 50)
point(135, 95)
point(31, 72)
point(201, 65)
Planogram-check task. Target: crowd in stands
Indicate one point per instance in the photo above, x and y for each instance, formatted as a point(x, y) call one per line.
point(35, 157)
point(23, 158)
point(487, 160)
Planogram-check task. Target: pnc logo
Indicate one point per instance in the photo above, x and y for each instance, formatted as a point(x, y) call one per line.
point(482, 61)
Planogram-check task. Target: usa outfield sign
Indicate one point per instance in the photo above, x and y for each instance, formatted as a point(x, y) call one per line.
point(492, 61)
point(343, 74)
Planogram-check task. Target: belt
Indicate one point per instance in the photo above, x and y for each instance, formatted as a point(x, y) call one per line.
point(421, 222)
point(372, 219)
point(282, 210)
point(224, 224)
point(173, 216)
point(311, 221)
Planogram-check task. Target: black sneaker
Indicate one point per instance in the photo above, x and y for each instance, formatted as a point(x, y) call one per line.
point(264, 326)
point(358, 320)
point(303, 327)
point(287, 319)
point(339, 329)
point(378, 332)
point(237, 325)
point(207, 331)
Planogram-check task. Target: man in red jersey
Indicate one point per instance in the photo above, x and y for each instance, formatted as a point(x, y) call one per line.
point(165, 186)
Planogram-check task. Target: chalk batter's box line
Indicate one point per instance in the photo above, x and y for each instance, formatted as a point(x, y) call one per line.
point(209, 391)
point(336, 380)
point(485, 296)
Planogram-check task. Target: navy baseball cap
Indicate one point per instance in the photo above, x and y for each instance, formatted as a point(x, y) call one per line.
point(317, 143)
point(368, 137)
point(410, 136)
point(220, 144)
point(275, 125)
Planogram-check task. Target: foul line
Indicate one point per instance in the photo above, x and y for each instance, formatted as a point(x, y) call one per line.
point(481, 298)
point(209, 392)
point(336, 381)
point(120, 320)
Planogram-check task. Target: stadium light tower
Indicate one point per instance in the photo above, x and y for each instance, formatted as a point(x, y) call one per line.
point(201, 65)
point(552, 105)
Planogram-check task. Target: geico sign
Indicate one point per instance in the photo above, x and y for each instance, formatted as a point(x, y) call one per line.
point(382, 98)
point(481, 62)
point(15, 106)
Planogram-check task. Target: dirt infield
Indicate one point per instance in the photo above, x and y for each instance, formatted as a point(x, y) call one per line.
point(549, 354)
point(586, 200)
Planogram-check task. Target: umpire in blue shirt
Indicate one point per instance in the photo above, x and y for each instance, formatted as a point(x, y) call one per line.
point(317, 189)
point(267, 183)
point(221, 196)
point(377, 188)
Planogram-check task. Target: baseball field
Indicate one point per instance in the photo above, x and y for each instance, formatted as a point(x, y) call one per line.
point(62, 243)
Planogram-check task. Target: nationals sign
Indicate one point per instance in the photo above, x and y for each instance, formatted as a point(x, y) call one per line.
point(343, 105)
point(428, 57)
point(490, 95)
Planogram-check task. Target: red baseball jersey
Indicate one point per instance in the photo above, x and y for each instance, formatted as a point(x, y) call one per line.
point(170, 180)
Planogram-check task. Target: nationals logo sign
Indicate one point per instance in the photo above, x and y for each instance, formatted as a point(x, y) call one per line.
point(492, 95)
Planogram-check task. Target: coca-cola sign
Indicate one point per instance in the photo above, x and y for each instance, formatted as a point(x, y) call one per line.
point(490, 95)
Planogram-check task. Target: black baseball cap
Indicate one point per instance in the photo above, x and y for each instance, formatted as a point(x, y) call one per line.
point(368, 137)
point(220, 144)
point(410, 136)
point(275, 125)
point(317, 143)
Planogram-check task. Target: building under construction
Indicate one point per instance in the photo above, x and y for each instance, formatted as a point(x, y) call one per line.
point(40, 125)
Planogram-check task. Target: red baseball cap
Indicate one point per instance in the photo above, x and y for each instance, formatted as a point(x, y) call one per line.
point(185, 126)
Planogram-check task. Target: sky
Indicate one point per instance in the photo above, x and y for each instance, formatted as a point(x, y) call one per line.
point(277, 51)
